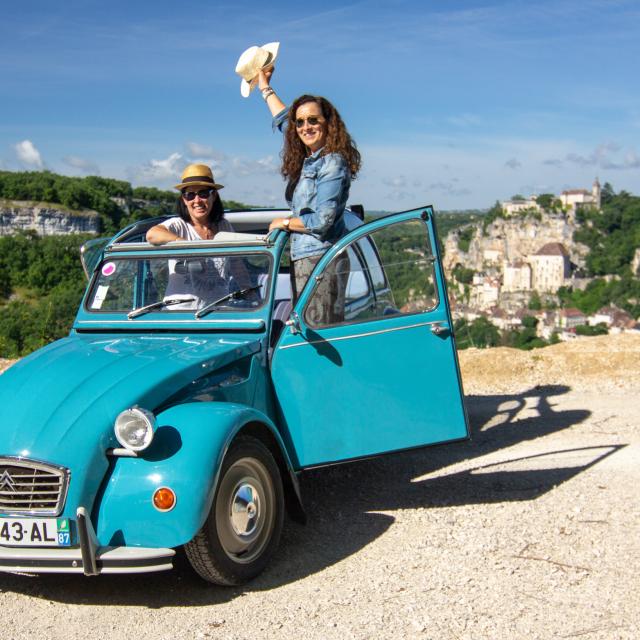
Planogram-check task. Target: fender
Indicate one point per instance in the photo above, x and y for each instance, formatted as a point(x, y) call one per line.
point(186, 455)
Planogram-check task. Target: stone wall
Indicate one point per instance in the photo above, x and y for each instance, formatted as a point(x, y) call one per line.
point(46, 219)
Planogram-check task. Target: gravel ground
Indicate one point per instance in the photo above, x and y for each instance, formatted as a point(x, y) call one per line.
point(531, 530)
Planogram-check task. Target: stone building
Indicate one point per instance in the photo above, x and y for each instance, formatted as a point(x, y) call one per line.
point(516, 206)
point(571, 318)
point(516, 276)
point(550, 266)
point(571, 200)
point(575, 198)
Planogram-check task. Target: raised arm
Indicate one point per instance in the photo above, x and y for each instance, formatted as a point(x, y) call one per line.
point(264, 84)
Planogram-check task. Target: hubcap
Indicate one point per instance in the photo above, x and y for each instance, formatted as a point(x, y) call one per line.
point(245, 509)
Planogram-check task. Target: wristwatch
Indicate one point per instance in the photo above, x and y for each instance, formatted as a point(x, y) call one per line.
point(285, 223)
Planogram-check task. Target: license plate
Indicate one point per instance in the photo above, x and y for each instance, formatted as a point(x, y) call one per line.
point(35, 532)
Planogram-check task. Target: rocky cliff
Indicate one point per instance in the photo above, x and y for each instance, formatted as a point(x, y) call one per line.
point(512, 239)
point(46, 219)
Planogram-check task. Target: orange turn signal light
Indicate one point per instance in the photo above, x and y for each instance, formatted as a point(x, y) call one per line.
point(164, 499)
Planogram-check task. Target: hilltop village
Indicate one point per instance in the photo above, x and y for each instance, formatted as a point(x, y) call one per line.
point(514, 265)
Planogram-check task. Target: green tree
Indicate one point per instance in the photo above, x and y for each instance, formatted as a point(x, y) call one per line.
point(478, 333)
point(526, 337)
point(464, 238)
point(495, 212)
point(548, 202)
point(599, 329)
point(606, 194)
point(535, 304)
point(612, 234)
point(463, 275)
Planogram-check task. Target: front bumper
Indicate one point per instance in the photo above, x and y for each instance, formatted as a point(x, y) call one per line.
point(89, 558)
point(108, 560)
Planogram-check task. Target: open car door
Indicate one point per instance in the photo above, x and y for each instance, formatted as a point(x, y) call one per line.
point(384, 375)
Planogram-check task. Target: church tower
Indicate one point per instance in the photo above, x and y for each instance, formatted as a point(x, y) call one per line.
point(596, 192)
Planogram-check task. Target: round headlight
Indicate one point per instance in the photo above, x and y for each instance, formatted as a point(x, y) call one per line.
point(134, 428)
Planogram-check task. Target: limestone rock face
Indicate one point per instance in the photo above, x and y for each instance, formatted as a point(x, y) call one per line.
point(45, 219)
point(512, 240)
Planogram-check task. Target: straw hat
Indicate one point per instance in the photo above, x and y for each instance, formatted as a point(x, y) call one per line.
point(252, 61)
point(197, 175)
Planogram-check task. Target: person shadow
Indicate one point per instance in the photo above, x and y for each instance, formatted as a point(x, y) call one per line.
point(344, 502)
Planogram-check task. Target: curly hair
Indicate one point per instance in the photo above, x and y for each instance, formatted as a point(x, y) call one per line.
point(338, 141)
point(216, 214)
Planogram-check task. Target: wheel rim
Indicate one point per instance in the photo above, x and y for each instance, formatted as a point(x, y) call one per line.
point(245, 510)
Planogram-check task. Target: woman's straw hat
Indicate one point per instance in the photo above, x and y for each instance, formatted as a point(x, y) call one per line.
point(252, 61)
point(198, 175)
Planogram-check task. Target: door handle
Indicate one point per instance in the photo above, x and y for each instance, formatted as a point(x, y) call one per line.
point(293, 323)
point(437, 328)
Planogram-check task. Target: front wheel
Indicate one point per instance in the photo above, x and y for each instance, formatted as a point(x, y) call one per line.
point(243, 527)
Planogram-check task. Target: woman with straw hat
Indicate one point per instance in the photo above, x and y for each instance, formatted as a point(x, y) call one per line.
point(200, 217)
point(200, 213)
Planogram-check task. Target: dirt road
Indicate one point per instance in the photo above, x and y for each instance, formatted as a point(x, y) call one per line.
point(531, 530)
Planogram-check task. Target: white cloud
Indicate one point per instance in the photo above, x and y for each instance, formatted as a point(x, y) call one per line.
point(28, 154)
point(195, 150)
point(158, 171)
point(244, 167)
point(450, 188)
point(82, 164)
point(605, 156)
point(397, 182)
point(399, 194)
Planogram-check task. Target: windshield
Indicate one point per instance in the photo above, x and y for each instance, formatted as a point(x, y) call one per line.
point(141, 284)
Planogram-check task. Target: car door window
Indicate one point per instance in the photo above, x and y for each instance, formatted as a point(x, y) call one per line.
point(388, 272)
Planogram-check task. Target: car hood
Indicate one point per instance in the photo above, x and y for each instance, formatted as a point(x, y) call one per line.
point(63, 399)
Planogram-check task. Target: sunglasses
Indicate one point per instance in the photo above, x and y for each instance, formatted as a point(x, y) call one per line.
point(202, 193)
point(311, 120)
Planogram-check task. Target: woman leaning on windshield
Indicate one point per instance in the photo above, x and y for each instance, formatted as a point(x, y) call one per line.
point(319, 160)
point(200, 213)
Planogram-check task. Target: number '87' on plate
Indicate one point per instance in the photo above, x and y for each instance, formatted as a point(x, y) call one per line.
point(35, 532)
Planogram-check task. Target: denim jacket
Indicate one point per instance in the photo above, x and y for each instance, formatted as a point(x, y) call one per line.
point(319, 199)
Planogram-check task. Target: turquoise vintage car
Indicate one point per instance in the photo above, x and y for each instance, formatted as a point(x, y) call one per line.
point(190, 395)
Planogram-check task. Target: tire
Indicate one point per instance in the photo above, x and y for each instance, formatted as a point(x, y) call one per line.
point(243, 528)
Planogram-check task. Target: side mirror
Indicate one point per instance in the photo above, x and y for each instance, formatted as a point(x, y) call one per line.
point(90, 254)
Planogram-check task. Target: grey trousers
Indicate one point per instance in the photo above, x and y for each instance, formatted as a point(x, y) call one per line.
point(326, 305)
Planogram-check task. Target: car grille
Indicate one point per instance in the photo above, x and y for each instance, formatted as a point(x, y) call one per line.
point(32, 487)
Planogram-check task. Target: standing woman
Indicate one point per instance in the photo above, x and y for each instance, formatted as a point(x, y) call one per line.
point(319, 160)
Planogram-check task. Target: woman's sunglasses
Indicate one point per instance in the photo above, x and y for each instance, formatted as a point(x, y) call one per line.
point(191, 195)
point(311, 120)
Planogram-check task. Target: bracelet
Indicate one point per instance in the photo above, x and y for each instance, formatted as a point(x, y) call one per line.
point(266, 92)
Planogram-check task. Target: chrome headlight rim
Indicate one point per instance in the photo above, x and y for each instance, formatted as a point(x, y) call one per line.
point(127, 420)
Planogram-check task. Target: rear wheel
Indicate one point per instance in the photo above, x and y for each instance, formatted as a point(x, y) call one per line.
point(243, 527)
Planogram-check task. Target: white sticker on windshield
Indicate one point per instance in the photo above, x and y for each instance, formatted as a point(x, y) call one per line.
point(101, 294)
point(108, 268)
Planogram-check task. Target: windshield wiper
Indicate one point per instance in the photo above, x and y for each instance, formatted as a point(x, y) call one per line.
point(234, 295)
point(158, 305)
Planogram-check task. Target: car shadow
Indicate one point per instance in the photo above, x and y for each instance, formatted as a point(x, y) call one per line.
point(344, 502)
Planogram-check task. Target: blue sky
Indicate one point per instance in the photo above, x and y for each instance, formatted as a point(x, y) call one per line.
point(455, 104)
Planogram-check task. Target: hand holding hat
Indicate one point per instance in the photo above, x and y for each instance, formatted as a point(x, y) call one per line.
point(254, 60)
